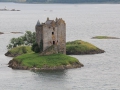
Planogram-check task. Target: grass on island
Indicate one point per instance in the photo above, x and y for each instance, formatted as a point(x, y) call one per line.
point(104, 37)
point(35, 60)
point(20, 50)
point(80, 47)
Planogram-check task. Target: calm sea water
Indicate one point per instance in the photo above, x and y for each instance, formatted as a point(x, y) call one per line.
point(84, 21)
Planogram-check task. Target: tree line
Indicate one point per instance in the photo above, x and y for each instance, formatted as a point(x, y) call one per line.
point(74, 1)
point(65, 1)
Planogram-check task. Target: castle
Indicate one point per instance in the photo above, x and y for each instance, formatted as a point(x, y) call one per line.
point(52, 33)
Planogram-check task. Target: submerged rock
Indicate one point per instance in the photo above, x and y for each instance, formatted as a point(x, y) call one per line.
point(1, 33)
point(10, 54)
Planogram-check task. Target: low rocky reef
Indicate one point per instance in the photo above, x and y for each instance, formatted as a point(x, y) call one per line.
point(16, 51)
point(11, 32)
point(26, 59)
point(104, 37)
point(80, 47)
point(34, 61)
point(8, 9)
point(17, 32)
point(1, 33)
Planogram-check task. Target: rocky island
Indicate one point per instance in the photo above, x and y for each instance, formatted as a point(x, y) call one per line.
point(8, 9)
point(34, 61)
point(50, 49)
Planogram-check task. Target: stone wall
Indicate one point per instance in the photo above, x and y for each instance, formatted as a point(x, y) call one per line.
point(52, 33)
point(62, 38)
point(39, 35)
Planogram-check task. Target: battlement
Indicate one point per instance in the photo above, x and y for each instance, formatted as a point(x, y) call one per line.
point(51, 22)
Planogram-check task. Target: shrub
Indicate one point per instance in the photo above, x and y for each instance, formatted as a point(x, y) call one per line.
point(20, 50)
point(27, 39)
point(35, 48)
point(24, 50)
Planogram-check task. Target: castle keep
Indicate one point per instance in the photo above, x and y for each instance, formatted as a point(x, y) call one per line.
point(52, 33)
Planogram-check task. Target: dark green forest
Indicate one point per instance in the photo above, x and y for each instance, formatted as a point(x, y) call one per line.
point(64, 1)
point(75, 1)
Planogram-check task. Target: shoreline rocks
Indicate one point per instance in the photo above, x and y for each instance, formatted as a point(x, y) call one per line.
point(16, 65)
point(9, 54)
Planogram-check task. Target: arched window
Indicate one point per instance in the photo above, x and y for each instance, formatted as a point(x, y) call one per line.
point(53, 42)
point(52, 33)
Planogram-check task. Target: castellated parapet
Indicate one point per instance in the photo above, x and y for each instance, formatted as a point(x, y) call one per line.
point(52, 33)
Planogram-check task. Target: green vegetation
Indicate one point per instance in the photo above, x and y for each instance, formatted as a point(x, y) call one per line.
point(27, 39)
point(35, 60)
point(36, 48)
point(104, 37)
point(80, 47)
point(18, 51)
point(77, 47)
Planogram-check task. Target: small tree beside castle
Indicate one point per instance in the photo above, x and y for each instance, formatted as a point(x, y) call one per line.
point(51, 36)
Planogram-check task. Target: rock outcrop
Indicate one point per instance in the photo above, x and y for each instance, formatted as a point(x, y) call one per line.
point(1, 33)
point(9, 54)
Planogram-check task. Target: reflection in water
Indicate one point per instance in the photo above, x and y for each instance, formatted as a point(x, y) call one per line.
point(52, 79)
point(60, 74)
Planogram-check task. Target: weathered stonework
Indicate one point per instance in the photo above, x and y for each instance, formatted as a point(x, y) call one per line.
point(52, 33)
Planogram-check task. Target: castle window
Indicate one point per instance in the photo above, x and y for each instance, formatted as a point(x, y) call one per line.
point(53, 28)
point(53, 42)
point(52, 33)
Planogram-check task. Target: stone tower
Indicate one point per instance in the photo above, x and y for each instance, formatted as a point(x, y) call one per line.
point(52, 33)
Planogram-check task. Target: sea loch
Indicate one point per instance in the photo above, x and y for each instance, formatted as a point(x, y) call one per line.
point(84, 21)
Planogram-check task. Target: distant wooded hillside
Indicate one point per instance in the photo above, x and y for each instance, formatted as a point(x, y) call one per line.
point(64, 1)
point(13, 0)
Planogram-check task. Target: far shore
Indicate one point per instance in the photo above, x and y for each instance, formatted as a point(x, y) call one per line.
point(11, 32)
